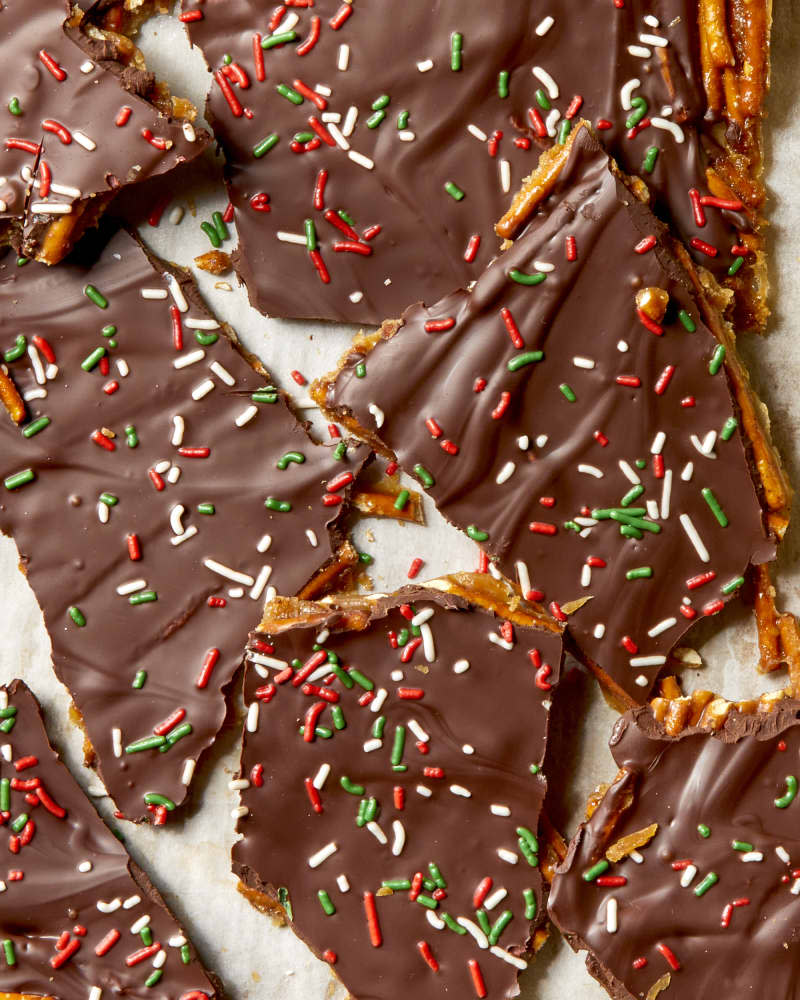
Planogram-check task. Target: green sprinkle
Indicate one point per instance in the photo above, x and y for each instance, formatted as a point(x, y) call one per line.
point(534, 768)
point(529, 837)
point(742, 845)
point(530, 903)
point(396, 884)
point(633, 494)
point(15, 353)
point(729, 428)
point(564, 130)
point(19, 822)
point(716, 509)
point(711, 879)
point(289, 93)
point(402, 500)
point(687, 321)
point(375, 119)
point(634, 521)
point(361, 370)
point(326, 903)
point(282, 39)
point(526, 358)
point(650, 158)
point(5, 794)
point(366, 558)
point(347, 218)
point(453, 924)
point(18, 479)
point(499, 926)
point(131, 437)
point(343, 676)
point(211, 233)
point(592, 873)
point(640, 573)
point(522, 278)
point(14, 106)
point(283, 899)
point(139, 680)
point(340, 451)
point(483, 921)
point(109, 331)
point(219, 225)
point(732, 585)
point(8, 713)
point(361, 679)
point(93, 295)
point(185, 729)
point(8, 950)
point(35, 427)
point(267, 143)
point(737, 263)
point(717, 358)
point(7, 725)
point(146, 743)
point(399, 744)
point(476, 534)
point(402, 121)
point(186, 954)
point(22, 261)
point(206, 337)
point(303, 137)
point(436, 875)
point(427, 901)
point(268, 395)
point(147, 936)
point(157, 799)
point(153, 978)
point(378, 727)
point(542, 100)
point(350, 786)
point(789, 795)
point(454, 191)
point(76, 615)
point(282, 506)
point(456, 42)
point(567, 392)
point(206, 508)
point(145, 597)
point(109, 499)
point(381, 102)
point(502, 84)
point(90, 363)
point(338, 717)
point(297, 457)
point(640, 463)
point(639, 110)
point(311, 234)
point(371, 809)
point(424, 476)
point(704, 831)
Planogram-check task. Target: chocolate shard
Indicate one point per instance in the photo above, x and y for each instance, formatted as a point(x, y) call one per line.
point(78, 917)
point(158, 487)
point(84, 120)
point(319, 127)
point(582, 414)
point(392, 783)
point(708, 897)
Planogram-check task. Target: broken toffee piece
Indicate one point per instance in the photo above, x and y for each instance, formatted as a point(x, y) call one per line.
point(78, 918)
point(357, 175)
point(686, 874)
point(156, 486)
point(575, 415)
point(83, 120)
point(392, 779)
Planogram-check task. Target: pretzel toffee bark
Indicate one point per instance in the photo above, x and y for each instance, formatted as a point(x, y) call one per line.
point(355, 176)
point(685, 878)
point(157, 488)
point(572, 414)
point(84, 119)
point(392, 784)
point(78, 918)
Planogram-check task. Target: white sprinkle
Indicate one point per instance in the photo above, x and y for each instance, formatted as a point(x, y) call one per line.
point(783, 854)
point(628, 472)
point(130, 902)
point(103, 513)
point(153, 293)
point(331, 116)
point(246, 416)
point(176, 519)
point(648, 661)
point(496, 897)
point(499, 641)
point(468, 749)
point(161, 957)
point(586, 575)
point(130, 588)
point(343, 58)
point(428, 645)
point(396, 675)
point(122, 367)
point(460, 666)
point(425, 65)
point(641, 680)
point(424, 792)
point(188, 772)
point(656, 40)
point(505, 855)
point(323, 854)
point(321, 88)
point(200, 323)
point(523, 442)
point(267, 661)
point(706, 446)
point(87, 66)
point(586, 363)
point(361, 160)
point(371, 745)
point(652, 509)
point(434, 921)
point(753, 856)
point(264, 543)
point(658, 443)
point(109, 907)
point(422, 616)
point(611, 916)
point(140, 924)
point(377, 413)
point(261, 581)
point(505, 176)
point(666, 492)
point(636, 857)
point(356, 297)
point(688, 526)
point(651, 21)
point(116, 741)
point(668, 126)
point(312, 537)
point(239, 812)
point(544, 25)
point(498, 810)
point(188, 359)
point(36, 362)
point(189, 133)
point(474, 930)
point(293, 237)
point(289, 22)
point(252, 717)
point(399, 841)
point(222, 373)
point(177, 292)
point(622, 347)
point(626, 93)
point(523, 576)
point(495, 572)
point(505, 473)
point(176, 215)
point(547, 82)
point(190, 532)
point(550, 121)
point(377, 833)
point(662, 626)
point(344, 885)
point(350, 120)
point(377, 702)
point(238, 784)
point(235, 592)
point(95, 993)
point(639, 51)
point(161, 467)
point(48, 208)
point(591, 470)
point(228, 573)
point(6, 750)
point(418, 731)
point(795, 890)
point(406, 135)
point(85, 141)
point(85, 866)
point(477, 132)
point(178, 428)
point(176, 941)
point(499, 952)
point(465, 793)
point(688, 876)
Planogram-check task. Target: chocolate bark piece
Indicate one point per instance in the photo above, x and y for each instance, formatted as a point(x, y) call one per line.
point(84, 120)
point(78, 917)
point(157, 486)
point(428, 143)
point(707, 900)
point(575, 414)
point(392, 761)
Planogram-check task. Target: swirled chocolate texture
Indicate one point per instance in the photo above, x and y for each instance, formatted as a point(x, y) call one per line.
point(393, 786)
point(77, 917)
point(156, 486)
point(80, 123)
point(422, 125)
point(710, 902)
point(593, 452)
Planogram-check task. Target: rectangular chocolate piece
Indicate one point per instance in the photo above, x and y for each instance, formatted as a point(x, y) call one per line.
point(392, 772)
point(582, 415)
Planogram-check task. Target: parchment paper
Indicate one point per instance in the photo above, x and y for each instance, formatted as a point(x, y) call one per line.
point(189, 860)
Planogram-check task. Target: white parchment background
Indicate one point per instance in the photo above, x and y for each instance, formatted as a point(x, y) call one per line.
point(189, 861)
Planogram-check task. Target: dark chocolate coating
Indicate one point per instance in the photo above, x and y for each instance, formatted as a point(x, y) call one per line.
point(86, 102)
point(72, 559)
point(582, 310)
point(495, 706)
point(729, 782)
point(54, 896)
point(420, 251)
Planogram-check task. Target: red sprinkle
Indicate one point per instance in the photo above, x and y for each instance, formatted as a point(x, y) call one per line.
point(481, 892)
point(648, 323)
point(572, 248)
point(102, 441)
point(669, 955)
point(410, 694)
point(191, 15)
point(313, 795)
point(646, 244)
point(156, 479)
point(134, 548)
point(573, 107)
point(108, 942)
point(258, 58)
point(427, 954)
point(313, 37)
point(472, 248)
point(511, 326)
point(399, 798)
point(375, 937)
point(703, 247)
point(440, 325)
point(123, 116)
point(631, 381)
point(319, 264)
point(143, 954)
point(477, 978)
point(209, 662)
point(543, 528)
point(52, 65)
point(697, 207)
point(664, 379)
point(538, 124)
point(502, 406)
point(413, 570)
point(257, 775)
point(66, 954)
